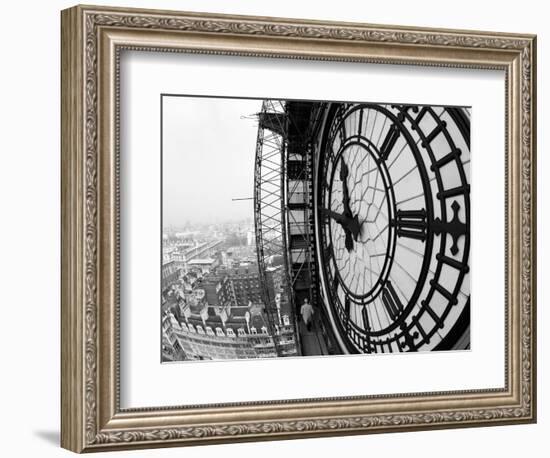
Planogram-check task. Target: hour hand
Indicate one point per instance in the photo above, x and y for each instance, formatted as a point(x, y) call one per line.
point(351, 225)
point(342, 220)
point(348, 222)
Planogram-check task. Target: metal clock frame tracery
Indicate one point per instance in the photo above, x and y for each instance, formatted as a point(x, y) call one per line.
point(420, 224)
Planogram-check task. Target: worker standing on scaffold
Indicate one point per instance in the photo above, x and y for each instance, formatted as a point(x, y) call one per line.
point(307, 314)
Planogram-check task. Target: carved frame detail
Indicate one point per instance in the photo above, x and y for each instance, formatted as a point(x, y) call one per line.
point(90, 422)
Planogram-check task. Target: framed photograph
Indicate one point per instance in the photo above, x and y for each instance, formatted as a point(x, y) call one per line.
point(274, 228)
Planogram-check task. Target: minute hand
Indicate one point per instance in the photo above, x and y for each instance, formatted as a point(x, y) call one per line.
point(344, 173)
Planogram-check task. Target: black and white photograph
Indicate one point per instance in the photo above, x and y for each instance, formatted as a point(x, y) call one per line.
point(309, 228)
point(253, 229)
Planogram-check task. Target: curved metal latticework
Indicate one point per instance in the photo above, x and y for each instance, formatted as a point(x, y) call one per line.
point(268, 178)
point(269, 207)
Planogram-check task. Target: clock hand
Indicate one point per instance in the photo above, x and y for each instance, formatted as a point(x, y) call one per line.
point(343, 221)
point(353, 221)
point(340, 218)
point(348, 242)
point(350, 224)
point(354, 226)
point(344, 173)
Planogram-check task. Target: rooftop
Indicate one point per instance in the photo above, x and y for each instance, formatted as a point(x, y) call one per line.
point(201, 261)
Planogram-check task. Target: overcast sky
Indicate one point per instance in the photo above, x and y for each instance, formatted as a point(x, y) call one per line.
point(208, 159)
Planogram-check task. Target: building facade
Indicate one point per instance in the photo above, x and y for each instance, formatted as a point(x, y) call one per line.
point(222, 315)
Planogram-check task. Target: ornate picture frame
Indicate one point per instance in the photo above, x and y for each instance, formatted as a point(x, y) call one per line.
point(92, 41)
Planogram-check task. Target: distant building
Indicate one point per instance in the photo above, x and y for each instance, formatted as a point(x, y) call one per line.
point(170, 274)
point(205, 265)
point(224, 317)
point(250, 238)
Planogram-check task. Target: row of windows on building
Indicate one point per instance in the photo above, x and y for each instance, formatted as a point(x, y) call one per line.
point(196, 339)
point(207, 330)
point(196, 346)
point(195, 351)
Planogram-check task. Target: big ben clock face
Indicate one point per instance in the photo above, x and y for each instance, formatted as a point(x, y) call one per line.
point(392, 212)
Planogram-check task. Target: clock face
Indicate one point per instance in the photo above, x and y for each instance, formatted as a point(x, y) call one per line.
point(392, 226)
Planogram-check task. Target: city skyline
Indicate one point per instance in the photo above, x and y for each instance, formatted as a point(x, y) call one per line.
point(191, 224)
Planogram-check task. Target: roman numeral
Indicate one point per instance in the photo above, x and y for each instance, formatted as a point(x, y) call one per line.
point(391, 301)
point(360, 125)
point(366, 320)
point(347, 305)
point(412, 224)
point(389, 142)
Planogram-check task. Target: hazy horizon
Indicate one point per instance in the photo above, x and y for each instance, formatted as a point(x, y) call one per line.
point(208, 159)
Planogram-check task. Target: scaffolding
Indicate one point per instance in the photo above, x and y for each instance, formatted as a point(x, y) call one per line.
point(268, 203)
point(283, 200)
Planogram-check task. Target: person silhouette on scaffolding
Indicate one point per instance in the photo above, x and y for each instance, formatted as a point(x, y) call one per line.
point(307, 314)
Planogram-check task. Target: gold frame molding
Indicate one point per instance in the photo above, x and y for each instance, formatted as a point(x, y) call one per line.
point(92, 38)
